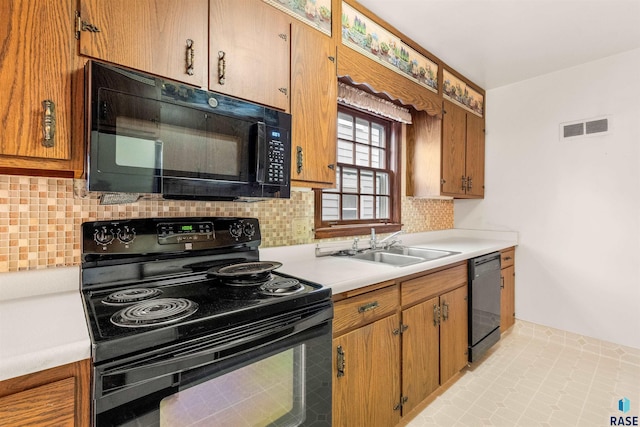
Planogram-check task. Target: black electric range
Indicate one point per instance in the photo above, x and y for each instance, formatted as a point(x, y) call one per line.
point(147, 283)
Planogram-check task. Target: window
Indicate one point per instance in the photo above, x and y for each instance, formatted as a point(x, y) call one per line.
point(367, 189)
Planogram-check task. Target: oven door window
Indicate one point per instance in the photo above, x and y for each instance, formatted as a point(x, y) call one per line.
point(264, 393)
point(149, 139)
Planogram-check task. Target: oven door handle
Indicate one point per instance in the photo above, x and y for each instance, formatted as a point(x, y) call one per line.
point(180, 361)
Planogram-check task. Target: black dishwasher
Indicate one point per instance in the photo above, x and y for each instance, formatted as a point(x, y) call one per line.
point(484, 304)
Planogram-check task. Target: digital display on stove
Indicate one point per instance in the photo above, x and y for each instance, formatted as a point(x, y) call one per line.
point(176, 232)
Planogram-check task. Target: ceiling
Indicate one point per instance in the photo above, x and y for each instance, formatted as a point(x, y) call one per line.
point(498, 42)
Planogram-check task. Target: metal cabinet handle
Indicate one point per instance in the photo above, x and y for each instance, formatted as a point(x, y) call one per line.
point(48, 123)
point(190, 57)
point(403, 400)
point(401, 330)
point(501, 282)
point(299, 159)
point(464, 183)
point(469, 183)
point(369, 306)
point(222, 67)
point(436, 314)
point(340, 361)
point(445, 311)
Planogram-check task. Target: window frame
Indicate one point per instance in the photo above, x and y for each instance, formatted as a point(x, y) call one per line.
point(345, 228)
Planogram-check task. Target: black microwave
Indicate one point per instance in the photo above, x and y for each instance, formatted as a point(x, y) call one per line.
point(148, 135)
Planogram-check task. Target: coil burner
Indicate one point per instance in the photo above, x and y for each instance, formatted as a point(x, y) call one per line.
point(281, 287)
point(155, 312)
point(129, 296)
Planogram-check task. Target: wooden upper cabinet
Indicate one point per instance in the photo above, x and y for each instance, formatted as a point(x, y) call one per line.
point(454, 135)
point(462, 153)
point(314, 107)
point(163, 37)
point(475, 156)
point(35, 68)
point(445, 156)
point(249, 44)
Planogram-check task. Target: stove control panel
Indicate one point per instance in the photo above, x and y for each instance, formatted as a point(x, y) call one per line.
point(182, 232)
point(157, 235)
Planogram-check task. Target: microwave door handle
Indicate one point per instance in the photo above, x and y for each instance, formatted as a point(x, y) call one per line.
point(260, 152)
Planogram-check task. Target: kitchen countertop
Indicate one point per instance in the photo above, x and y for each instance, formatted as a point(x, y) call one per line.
point(42, 321)
point(343, 274)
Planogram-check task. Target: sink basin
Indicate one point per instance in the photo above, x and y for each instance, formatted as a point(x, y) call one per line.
point(426, 253)
point(384, 257)
point(399, 256)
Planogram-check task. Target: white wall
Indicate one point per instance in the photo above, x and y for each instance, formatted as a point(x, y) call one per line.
point(576, 204)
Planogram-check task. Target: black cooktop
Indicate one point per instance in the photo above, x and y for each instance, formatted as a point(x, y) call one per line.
point(219, 307)
point(141, 269)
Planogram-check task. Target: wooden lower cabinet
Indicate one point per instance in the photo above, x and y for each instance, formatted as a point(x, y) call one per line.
point(366, 383)
point(420, 353)
point(55, 397)
point(508, 293)
point(396, 344)
point(434, 345)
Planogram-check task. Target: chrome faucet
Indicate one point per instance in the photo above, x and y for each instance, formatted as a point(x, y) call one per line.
point(373, 243)
point(383, 243)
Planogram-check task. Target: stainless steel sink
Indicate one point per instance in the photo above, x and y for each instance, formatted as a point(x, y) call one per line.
point(402, 255)
point(426, 253)
point(384, 257)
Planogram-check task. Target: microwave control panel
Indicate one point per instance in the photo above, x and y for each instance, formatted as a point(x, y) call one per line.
point(276, 159)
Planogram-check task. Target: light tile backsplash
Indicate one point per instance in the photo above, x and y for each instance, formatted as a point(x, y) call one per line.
point(40, 219)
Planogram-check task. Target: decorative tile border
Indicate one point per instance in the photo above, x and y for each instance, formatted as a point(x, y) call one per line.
point(365, 36)
point(462, 94)
point(40, 219)
point(316, 13)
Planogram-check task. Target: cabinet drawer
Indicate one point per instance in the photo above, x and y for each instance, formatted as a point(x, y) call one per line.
point(365, 308)
point(429, 285)
point(506, 257)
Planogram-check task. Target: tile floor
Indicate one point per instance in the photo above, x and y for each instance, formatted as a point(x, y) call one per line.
point(539, 376)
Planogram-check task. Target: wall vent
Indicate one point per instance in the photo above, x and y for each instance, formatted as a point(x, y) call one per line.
point(582, 128)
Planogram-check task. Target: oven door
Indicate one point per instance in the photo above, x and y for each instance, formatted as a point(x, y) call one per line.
point(275, 373)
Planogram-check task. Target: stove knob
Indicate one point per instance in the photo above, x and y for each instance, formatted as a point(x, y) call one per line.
point(235, 230)
point(126, 235)
point(249, 229)
point(102, 236)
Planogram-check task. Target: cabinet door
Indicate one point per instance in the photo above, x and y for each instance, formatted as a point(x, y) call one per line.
point(507, 298)
point(249, 51)
point(475, 156)
point(453, 333)
point(420, 353)
point(314, 106)
point(35, 65)
point(47, 405)
point(369, 389)
point(453, 150)
point(149, 35)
